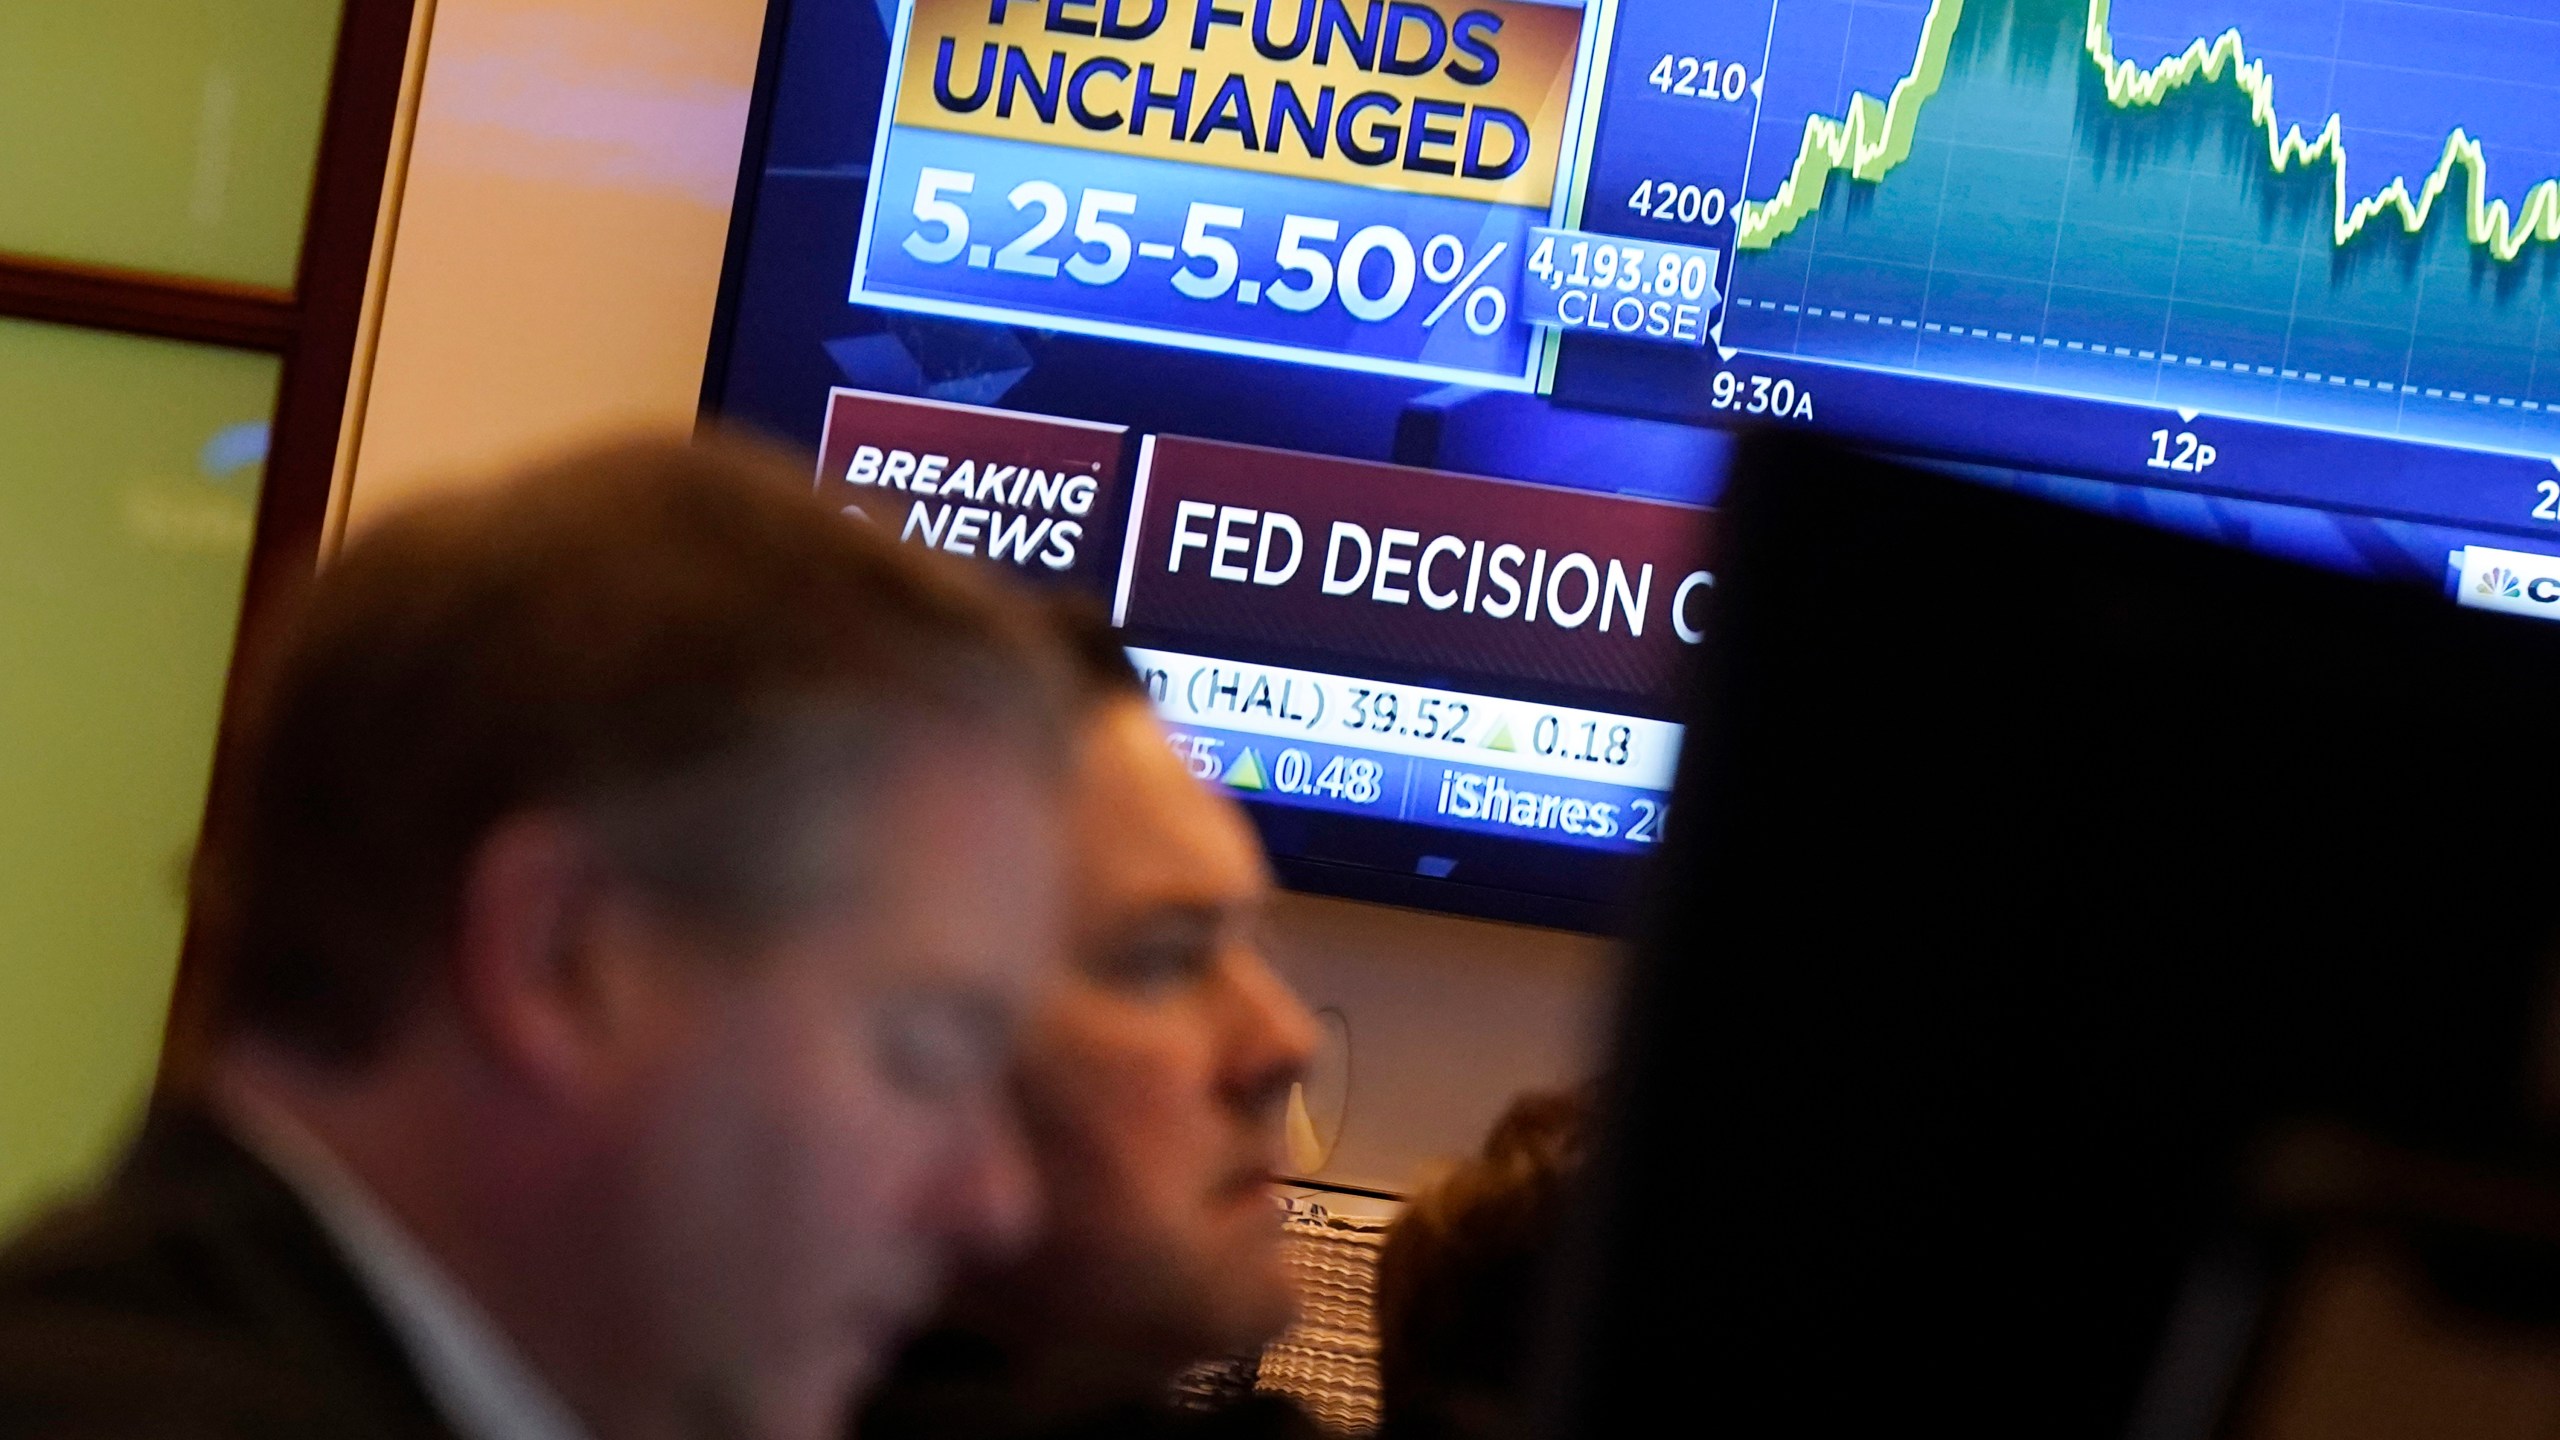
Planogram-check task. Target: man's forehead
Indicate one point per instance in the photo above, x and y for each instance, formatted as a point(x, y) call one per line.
point(1146, 824)
point(964, 845)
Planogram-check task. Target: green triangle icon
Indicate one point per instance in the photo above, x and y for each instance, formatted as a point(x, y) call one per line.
point(1246, 773)
point(1501, 739)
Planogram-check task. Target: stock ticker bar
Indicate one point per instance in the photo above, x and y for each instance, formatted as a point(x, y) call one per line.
point(1354, 745)
point(1382, 717)
point(1451, 795)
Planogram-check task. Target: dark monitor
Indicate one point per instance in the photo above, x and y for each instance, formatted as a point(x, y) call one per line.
point(2047, 899)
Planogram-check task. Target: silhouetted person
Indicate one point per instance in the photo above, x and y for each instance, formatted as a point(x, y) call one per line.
point(1462, 1281)
point(622, 943)
point(1152, 1083)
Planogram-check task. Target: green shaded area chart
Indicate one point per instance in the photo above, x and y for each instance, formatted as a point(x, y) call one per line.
point(1875, 137)
point(2070, 196)
point(1866, 144)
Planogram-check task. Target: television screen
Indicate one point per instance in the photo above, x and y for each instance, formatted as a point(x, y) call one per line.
point(1376, 360)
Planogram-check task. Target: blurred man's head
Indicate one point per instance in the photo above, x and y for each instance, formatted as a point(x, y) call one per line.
point(1463, 1280)
point(642, 873)
point(1153, 1080)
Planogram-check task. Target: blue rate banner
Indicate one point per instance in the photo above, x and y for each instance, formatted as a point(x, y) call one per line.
point(1356, 188)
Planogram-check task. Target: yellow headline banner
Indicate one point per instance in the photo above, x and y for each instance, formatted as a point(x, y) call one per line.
point(1462, 98)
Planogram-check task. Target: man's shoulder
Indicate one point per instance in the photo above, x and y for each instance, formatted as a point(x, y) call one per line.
point(191, 1297)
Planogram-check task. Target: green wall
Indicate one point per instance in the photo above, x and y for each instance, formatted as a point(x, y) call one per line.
point(165, 135)
point(128, 486)
point(173, 136)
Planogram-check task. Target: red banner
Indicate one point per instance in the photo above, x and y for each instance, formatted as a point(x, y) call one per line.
point(1027, 490)
point(1418, 567)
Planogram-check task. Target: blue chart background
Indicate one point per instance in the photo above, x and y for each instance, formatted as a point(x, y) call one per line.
point(2033, 216)
point(1145, 297)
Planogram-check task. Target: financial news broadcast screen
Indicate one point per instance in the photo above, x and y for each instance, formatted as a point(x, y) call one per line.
point(1374, 360)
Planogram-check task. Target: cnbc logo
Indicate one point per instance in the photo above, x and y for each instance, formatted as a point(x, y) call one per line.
point(2509, 580)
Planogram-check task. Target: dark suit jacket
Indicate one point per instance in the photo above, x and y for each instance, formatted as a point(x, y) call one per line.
point(952, 1385)
point(192, 1297)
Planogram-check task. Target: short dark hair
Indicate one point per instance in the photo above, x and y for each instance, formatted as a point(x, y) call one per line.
point(678, 644)
point(1462, 1280)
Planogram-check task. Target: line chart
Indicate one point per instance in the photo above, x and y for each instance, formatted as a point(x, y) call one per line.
point(2487, 223)
point(2297, 211)
point(1875, 136)
point(1867, 143)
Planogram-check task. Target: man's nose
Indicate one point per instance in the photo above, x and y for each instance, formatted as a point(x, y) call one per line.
point(992, 1208)
point(1271, 1035)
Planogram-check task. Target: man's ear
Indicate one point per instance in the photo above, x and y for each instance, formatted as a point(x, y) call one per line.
point(553, 967)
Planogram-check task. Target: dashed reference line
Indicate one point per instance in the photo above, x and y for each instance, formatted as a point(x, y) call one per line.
point(2164, 357)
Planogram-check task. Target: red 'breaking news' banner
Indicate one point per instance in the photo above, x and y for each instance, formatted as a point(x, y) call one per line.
point(1028, 491)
